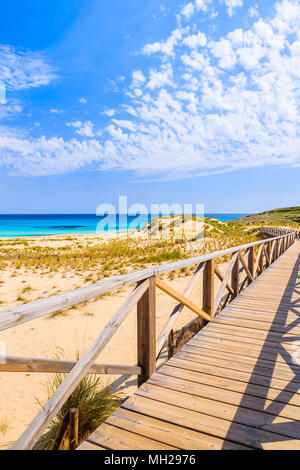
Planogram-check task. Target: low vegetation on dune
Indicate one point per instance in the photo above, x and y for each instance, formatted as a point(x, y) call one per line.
point(284, 217)
point(115, 256)
point(95, 403)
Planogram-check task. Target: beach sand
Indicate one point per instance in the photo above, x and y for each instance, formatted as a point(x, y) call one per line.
point(72, 331)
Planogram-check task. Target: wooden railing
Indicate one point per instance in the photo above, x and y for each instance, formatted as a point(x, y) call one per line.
point(248, 260)
point(277, 232)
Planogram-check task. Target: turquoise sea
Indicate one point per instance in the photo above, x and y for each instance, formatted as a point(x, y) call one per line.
point(66, 224)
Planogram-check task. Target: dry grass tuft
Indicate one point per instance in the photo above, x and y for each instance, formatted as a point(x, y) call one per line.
point(95, 403)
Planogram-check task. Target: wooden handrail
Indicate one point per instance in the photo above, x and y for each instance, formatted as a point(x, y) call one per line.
point(277, 231)
point(53, 366)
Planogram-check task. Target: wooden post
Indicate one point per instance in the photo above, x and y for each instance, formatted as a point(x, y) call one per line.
point(171, 345)
point(146, 333)
point(251, 263)
point(235, 278)
point(269, 247)
point(73, 426)
point(261, 262)
point(62, 431)
point(209, 287)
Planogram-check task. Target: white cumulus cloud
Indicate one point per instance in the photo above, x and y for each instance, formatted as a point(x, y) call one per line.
point(24, 69)
point(85, 129)
point(232, 4)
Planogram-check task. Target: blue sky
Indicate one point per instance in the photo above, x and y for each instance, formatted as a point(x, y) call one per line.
point(164, 101)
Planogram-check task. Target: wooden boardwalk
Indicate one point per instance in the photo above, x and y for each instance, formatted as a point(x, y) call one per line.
point(235, 385)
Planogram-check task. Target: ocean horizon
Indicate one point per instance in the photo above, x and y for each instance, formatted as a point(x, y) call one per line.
point(33, 225)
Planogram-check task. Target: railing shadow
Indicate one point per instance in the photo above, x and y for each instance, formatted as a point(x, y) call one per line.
point(283, 429)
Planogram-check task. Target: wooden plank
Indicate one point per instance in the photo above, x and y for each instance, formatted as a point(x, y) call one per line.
point(256, 385)
point(202, 422)
point(168, 433)
point(261, 317)
point(183, 300)
point(258, 317)
point(120, 439)
point(249, 417)
point(214, 349)
point(268, 350)
point(243, 349)
point(211, 360)
point(266, 344)
point(54, 404)
point(146, 333)
point(86, 445)
point(35, 365)
point(222, 395)
point(177, 310)
point(253, 324)
point(247, 332)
